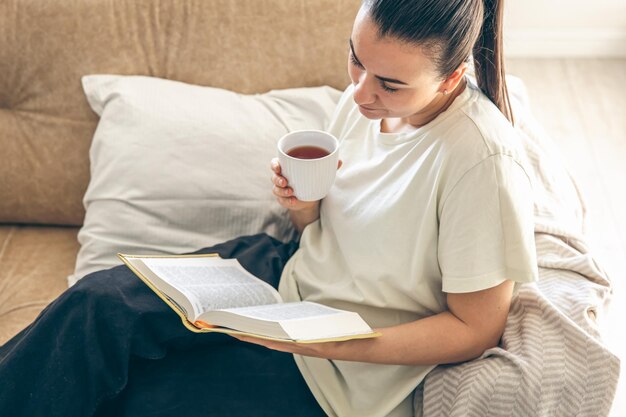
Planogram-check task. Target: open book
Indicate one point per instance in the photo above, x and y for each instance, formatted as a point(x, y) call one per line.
point(212, 294)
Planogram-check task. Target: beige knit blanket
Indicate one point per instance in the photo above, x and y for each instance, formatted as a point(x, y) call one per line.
point(551, 360)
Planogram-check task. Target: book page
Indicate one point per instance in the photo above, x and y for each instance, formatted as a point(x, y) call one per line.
point(286, 311)
point(213, 283)
point(299, 321)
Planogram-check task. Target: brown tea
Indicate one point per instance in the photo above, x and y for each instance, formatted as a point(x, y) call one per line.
point(307, 152)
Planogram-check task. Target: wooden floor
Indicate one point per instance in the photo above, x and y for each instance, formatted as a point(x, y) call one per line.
point(582, 104)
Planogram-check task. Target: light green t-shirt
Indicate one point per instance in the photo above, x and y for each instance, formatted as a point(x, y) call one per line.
point(445, 208)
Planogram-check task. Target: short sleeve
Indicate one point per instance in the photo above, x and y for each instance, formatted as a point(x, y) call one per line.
point(486, 228)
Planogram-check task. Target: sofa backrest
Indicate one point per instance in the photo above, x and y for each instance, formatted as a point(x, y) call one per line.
point(46, 125)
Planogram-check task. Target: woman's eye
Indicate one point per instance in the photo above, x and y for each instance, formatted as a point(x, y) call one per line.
point(382, 83)
point(354, 61)
point(386, 88)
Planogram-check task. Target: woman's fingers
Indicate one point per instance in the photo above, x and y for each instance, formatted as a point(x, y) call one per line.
point(287, 202)
point(279, 181)
point(275, 165)
point(282, 192)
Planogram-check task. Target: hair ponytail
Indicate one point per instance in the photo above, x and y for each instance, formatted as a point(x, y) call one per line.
point(451, 31)
point(489, 58)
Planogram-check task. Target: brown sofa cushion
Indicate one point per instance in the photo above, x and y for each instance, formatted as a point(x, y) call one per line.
point(46, 125)
point(34, 264)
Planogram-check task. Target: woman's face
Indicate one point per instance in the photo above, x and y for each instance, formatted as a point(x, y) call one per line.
point(391, 79)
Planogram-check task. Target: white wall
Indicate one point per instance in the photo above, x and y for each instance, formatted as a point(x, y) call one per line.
point(560, 28)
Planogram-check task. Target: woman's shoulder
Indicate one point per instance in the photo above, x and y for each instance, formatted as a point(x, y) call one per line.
point(478, 133)
point(478, 130)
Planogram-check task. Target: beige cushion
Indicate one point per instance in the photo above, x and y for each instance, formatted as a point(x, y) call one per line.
point(34, 264)
point(46, 125)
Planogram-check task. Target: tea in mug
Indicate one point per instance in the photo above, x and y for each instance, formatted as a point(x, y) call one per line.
point(308, 152)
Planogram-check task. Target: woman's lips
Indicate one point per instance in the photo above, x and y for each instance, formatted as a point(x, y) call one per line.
point(367, 108)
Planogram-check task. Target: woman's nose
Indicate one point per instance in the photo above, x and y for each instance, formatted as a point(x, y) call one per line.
point(363, 92)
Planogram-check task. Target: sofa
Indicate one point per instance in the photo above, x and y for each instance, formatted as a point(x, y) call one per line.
point(47, 125)
point(69, 69)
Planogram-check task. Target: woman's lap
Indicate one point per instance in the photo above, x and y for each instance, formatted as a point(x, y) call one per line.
point(232, 379)
point(110, 326)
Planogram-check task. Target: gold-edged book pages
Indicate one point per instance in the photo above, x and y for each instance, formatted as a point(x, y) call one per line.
point(188, 324)
point(190, 315)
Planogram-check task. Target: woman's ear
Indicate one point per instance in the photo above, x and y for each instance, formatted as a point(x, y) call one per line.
point(452, 82)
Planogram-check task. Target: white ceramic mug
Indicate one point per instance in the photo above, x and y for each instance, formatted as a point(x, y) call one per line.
point(310, 179)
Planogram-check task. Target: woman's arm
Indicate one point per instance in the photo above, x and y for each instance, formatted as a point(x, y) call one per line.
point(473, 323)
point(302, 218)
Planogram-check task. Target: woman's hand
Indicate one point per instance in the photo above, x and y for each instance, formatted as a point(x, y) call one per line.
point(349, 350)
point(301, 213)
point(326, 350)
point(284, 193)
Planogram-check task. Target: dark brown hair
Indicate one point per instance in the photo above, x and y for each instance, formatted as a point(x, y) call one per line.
point(451, 31)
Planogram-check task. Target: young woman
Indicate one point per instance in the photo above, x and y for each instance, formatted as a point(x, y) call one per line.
point(425, 233)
